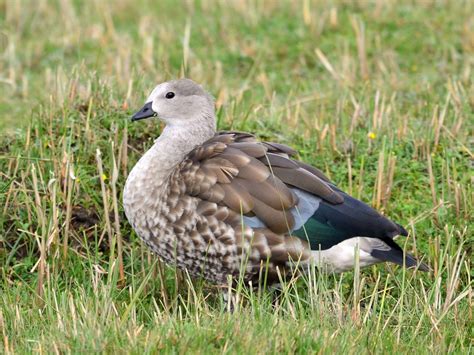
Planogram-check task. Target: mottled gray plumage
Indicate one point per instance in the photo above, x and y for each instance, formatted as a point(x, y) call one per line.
point(215, 203)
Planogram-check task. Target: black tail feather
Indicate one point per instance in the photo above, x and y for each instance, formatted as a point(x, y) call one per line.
point(403, 231)
point(396, 255)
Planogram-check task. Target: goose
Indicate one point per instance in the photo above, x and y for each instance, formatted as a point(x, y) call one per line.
point(225, 205)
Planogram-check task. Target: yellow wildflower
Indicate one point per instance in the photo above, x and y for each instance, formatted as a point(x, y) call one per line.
point(371, 135)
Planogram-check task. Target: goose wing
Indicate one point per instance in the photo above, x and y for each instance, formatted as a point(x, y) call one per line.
point(254, 179)
point(272, 192)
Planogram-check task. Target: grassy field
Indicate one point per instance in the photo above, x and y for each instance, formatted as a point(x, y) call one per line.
point(379, 94)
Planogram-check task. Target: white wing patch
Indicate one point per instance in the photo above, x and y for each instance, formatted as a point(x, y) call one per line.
point(307, 205)
point(253, 222)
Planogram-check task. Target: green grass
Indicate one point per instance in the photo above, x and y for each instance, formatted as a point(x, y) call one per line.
point(378, 94)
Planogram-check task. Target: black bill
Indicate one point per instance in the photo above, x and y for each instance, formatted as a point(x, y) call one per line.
point(145, 112)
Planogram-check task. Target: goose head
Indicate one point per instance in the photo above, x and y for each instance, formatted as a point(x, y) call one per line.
point(179, 103)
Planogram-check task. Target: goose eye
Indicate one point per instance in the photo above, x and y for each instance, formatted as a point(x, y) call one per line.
point(169, 95)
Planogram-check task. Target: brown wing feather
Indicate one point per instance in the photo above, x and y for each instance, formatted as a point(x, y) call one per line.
point(214, 194)
point(272, 160)
point(279, 221)
point(254, 171)
point(306, 181)
point(279, 148)
point(313, 170)
point(251, 149)
point(234, 169)
point(271, 191)
point(237, 198)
